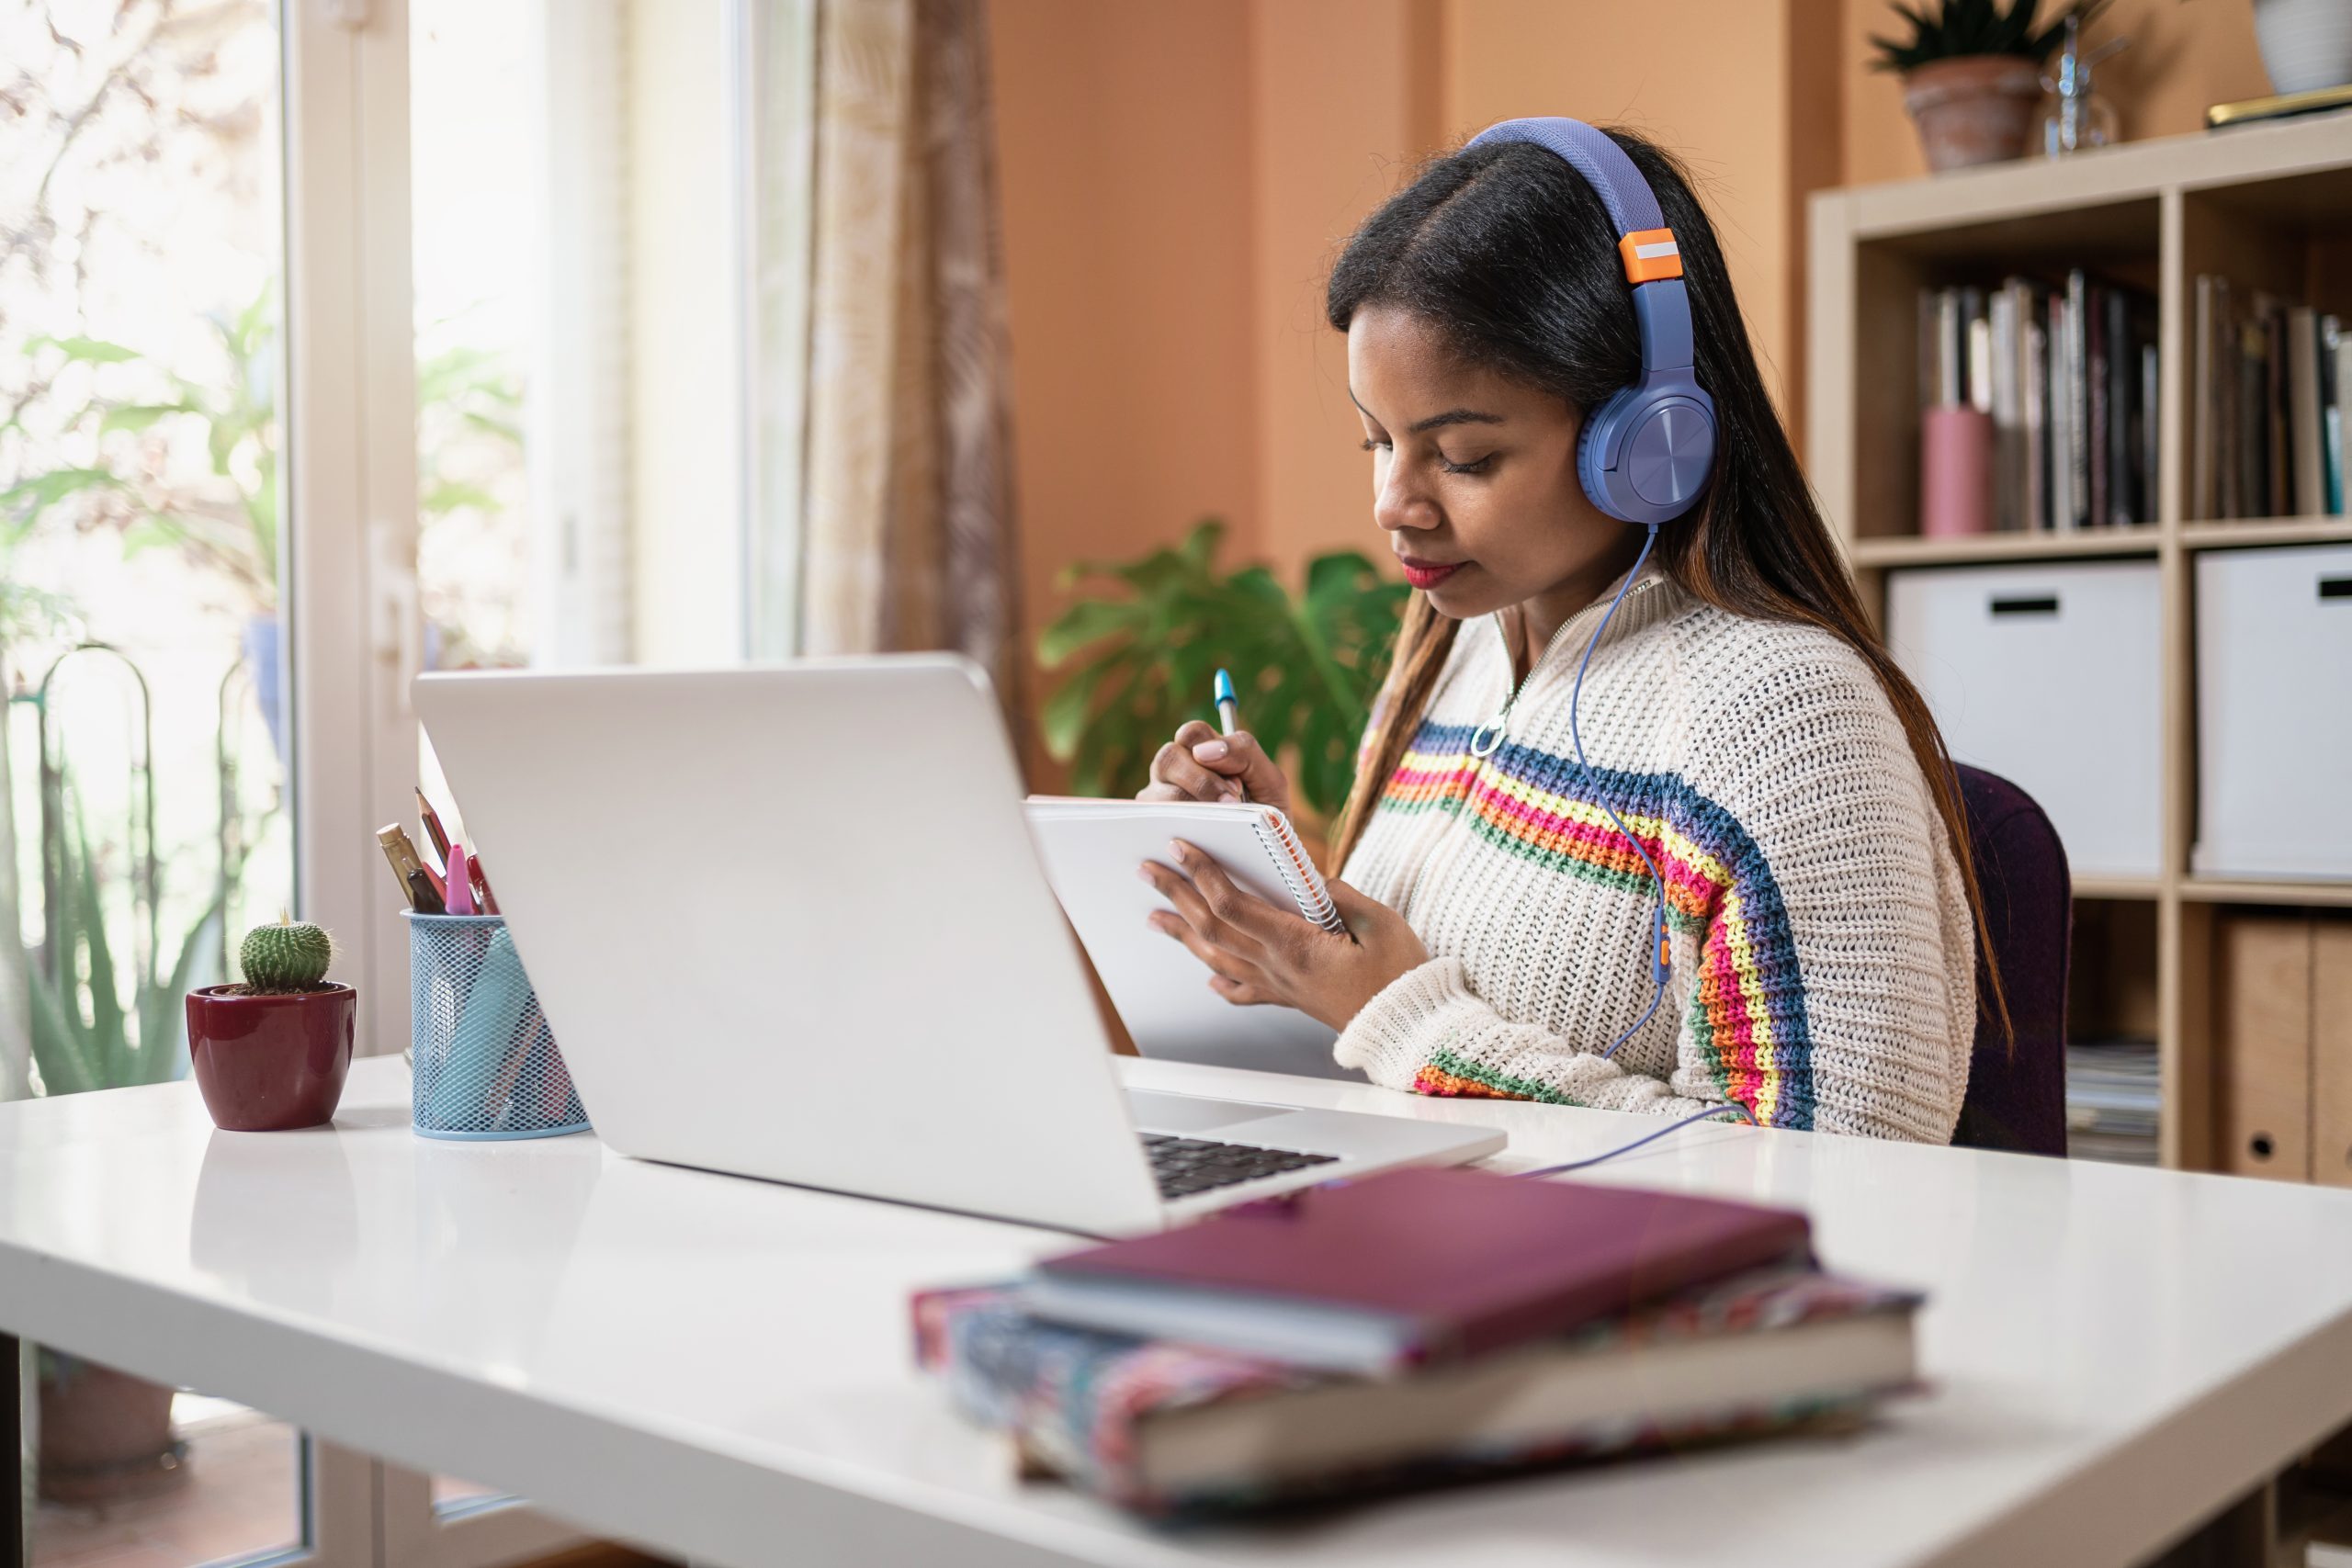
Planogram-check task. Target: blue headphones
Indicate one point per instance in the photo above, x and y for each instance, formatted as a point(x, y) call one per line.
point(1643, 456)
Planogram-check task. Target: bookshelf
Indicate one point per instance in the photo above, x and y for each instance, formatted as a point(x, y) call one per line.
point(2269, 205)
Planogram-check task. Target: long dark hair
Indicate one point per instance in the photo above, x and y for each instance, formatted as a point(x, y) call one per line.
point(1508, 254)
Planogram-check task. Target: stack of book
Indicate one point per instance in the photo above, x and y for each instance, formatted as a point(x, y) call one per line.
point(2067, 374)
point(2266, 406)
point(1422, 1326)
point(2113, 1103)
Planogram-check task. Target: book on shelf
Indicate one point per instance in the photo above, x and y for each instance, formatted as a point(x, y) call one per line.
point(1168, 1428)
point(2304, 412)
point(2201, 412)
point(2086, 366)
point(2067, 370)
point(2006, 403)
point(2334, 386)
point(2033, 404)
point(2114, 1101)
point(2267, 406)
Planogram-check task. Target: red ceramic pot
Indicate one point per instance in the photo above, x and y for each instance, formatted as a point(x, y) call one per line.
point(269, 1063)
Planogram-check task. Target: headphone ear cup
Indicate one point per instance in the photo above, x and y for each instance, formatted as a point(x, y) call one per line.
point(1593, 450)
point(1663, 436)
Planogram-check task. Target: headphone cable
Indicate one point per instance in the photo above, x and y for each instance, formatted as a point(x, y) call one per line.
point(1732, 1105)
point(1660, 955)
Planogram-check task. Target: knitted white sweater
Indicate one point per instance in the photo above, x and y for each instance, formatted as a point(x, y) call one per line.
point(1824, 969)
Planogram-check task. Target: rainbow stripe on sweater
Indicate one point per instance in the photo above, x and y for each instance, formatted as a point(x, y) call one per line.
point(1748, 1012)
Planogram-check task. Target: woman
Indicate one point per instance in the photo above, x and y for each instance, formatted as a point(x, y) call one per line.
point(1741, 720)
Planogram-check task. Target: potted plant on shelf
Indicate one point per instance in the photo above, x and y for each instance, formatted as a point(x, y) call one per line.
point(1307, 666)
point(270, 1055)
point(1972, 77)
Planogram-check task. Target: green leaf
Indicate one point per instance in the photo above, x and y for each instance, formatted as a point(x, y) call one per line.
point(138, 416)
point(87, 916)
point(1088, 621)
point(1336, 578)
point(1325, 762)
point(60, 1047)
point(450, 495)
point(1189, 672)
point(1063, 718)
point(1105, 746)
point(1199, 547)
point(89, 350)
point(45, 490)
point(1306, 667)
point(149, 533)
point(489, 424)
point(163, 1019)
point(1958, 28)
point(82, 1035)
point(252, 324)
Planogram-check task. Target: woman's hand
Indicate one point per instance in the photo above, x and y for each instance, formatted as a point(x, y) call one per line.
point(1201, 764)
point(1261, 954)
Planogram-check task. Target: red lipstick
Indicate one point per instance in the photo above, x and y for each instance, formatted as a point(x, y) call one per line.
point(1428, 574)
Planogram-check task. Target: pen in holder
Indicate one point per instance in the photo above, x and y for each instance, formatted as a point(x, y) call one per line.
point(486, 1065)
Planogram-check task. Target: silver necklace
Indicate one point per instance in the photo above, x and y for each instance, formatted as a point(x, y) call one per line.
point(1488, 736)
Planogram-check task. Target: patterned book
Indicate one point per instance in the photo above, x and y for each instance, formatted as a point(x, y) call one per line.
point(1168, 1429)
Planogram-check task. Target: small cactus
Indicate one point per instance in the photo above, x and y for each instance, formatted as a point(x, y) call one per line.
point(287, 956)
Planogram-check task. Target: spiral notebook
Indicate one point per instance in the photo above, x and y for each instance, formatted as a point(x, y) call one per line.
point(1092, 850)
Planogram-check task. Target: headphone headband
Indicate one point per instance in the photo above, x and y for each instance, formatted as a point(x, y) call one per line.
point(1644, 455)
point(1631, 204)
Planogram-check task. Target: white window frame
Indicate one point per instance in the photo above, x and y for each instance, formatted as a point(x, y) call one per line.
point(357, 633)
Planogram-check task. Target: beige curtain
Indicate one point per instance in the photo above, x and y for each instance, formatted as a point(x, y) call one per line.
point(907, 536)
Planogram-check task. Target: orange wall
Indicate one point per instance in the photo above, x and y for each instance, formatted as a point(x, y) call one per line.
point(1346, 99)
point(1125, 149)
point(1177, 180)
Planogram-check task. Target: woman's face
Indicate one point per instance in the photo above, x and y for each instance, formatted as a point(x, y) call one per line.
point(1474, 478)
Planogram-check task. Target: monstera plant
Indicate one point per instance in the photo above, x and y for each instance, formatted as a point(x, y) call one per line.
point(1146, 637)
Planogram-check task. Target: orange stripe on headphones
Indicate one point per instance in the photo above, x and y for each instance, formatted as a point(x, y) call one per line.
point(1650, 254)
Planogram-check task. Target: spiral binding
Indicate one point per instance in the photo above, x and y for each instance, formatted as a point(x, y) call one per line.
point(1297, 871)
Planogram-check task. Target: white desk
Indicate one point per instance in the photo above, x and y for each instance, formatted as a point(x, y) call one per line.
point(719, 1367)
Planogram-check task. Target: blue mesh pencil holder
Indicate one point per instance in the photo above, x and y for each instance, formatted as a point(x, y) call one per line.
point(486, 1065)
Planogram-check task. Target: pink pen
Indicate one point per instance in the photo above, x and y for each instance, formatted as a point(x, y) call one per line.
point(461, 890)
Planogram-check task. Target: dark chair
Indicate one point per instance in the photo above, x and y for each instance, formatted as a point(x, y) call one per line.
point(2017, 1093)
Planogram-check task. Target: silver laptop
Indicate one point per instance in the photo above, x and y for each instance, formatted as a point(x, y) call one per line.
point(789, 924)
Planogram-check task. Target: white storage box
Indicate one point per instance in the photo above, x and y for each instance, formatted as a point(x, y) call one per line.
point(2274, 712)
point(2047, 676)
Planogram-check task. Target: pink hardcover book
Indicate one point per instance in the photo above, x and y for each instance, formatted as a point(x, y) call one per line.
point(1411, 1267)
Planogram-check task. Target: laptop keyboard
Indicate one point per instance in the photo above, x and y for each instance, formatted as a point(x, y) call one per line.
point(1185, 1165)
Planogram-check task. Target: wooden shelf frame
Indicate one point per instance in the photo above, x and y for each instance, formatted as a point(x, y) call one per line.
point(1994, 550)
point(2242, 890)
point(2266, 531)
point(2269, 203)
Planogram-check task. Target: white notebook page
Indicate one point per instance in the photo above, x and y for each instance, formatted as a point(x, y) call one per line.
point(1092, 850)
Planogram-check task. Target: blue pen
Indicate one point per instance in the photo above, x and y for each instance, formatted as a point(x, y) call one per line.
point(1228, 708)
